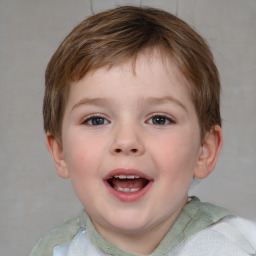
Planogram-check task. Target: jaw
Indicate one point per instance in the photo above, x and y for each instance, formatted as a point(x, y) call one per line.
point(136, 236)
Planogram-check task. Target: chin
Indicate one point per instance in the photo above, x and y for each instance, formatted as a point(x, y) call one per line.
point(131, 223)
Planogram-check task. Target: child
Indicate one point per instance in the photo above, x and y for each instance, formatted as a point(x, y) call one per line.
point(131, 114)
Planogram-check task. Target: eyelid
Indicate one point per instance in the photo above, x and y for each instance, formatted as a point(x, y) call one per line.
point(99, 115)
point(167, 116)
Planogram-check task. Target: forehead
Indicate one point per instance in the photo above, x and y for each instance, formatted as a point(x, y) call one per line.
point(150, 76)
point(155, 61)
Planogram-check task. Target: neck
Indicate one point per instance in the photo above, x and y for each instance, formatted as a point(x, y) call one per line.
point(143, 242)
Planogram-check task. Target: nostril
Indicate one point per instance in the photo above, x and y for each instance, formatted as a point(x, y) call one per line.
point(133, 150)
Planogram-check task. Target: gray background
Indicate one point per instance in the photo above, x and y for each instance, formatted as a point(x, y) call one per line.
point(33, 198)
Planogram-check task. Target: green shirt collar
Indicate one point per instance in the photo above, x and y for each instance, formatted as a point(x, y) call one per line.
point(194, 217)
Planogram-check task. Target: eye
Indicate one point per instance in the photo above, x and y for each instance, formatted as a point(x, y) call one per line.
point(95, 120)
point(160, 120)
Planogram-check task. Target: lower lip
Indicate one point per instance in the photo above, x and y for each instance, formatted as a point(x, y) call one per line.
point(129, 196)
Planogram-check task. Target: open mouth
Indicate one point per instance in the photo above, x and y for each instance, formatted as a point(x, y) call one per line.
point(127, 183)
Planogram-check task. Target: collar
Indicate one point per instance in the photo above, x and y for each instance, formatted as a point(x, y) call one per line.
point(194, 217)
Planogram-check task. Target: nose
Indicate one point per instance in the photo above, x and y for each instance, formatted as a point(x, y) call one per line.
point(127, 141)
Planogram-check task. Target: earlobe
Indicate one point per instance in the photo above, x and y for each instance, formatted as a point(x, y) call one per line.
point(56, 153)
point(209, 152)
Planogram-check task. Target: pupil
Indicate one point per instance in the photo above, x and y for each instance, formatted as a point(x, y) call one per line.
point(159, 120)
point(97, 121)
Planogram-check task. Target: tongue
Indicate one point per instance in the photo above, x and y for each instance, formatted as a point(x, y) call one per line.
point(128, 183)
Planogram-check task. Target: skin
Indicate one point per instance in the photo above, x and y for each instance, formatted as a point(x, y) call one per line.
point(146, 123)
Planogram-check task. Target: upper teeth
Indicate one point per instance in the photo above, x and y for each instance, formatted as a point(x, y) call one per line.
point(127, 176)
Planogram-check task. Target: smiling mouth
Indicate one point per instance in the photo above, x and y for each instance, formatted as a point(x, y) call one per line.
point(127, 183)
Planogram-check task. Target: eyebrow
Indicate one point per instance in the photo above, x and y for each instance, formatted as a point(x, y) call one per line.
point(91, 101)
point(162, 100)
point(142, 101)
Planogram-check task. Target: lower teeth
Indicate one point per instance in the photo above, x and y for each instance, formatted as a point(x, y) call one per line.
point(127, 190)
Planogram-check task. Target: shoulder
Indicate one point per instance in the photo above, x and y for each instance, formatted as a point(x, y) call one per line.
point(230, 236)
point(58, 236)
point(239, 230)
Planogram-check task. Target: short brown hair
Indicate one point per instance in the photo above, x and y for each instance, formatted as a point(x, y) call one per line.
point(115, 36)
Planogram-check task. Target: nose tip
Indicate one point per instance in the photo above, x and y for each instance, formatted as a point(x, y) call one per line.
point(127, 141)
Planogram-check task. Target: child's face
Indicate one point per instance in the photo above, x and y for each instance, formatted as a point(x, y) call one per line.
point(118, 124)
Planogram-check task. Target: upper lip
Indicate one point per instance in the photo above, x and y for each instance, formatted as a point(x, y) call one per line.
point(126, 172)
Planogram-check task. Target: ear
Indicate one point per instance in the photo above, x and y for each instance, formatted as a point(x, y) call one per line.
point(208, 153)
point(56, 153)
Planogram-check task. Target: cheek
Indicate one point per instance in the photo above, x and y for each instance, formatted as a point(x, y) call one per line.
point(81, 143)
point(177, 155)
point(81, 155)
point(83, 161)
